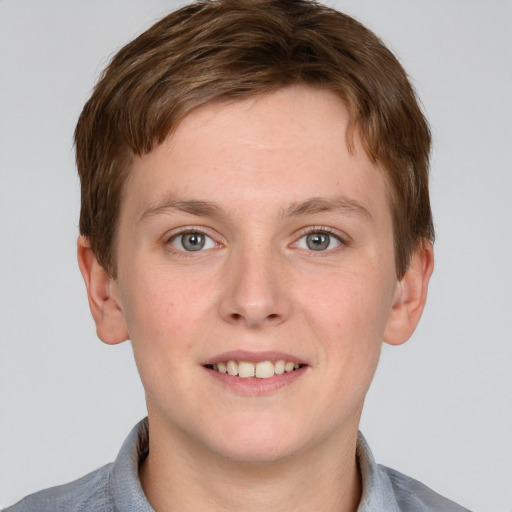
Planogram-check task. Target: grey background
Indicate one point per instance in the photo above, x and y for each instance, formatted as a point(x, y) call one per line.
point(440, 407)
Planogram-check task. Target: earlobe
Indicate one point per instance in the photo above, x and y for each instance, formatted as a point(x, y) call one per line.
point(410, 297)
point(101, 292)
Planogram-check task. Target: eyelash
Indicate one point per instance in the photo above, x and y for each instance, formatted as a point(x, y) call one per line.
point(312, 230)
point(322, 230)
point(190, 231)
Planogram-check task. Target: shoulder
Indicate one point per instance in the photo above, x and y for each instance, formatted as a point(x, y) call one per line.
point(412, 495)
point(389, 490)
point(113, 487)
point(87, 494)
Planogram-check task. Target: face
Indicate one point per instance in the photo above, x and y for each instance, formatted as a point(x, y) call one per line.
point(254, 241)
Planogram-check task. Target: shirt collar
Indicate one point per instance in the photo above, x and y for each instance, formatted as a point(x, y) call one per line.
point(125, 484)
point(378, 493)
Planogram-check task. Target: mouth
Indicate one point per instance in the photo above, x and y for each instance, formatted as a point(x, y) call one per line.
point(255, 370)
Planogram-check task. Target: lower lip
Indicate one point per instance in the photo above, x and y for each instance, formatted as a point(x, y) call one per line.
point(253, 385)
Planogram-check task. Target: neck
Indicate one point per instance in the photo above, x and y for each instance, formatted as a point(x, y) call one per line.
point(177, 476)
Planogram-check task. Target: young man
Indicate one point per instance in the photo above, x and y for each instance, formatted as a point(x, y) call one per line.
point(255, 219)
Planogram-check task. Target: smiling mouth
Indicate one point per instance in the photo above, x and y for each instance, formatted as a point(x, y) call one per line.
point(260, 370)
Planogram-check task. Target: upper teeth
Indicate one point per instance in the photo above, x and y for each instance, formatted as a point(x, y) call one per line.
point(261, 370)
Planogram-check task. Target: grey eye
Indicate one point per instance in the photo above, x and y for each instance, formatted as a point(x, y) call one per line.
point(193, 241)
point(318, 242)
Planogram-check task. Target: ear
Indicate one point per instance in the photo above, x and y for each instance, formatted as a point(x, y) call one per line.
point(103, 296)
point(410, 296)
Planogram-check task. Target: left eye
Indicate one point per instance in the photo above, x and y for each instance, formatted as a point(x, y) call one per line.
point(192, 241)
point(318, 242)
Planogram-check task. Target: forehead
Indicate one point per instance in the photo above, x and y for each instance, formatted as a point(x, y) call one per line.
point(287, 122)
point(271, 150)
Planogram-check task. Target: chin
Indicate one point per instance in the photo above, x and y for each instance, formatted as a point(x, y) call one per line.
point(256, 452)
point(259, 442)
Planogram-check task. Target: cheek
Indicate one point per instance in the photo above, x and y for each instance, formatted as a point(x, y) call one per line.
point(349, 303)
point(349, 318)
point(159, 327)
point(164, 310)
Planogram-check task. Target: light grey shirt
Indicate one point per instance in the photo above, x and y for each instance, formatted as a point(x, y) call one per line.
point(116, 487)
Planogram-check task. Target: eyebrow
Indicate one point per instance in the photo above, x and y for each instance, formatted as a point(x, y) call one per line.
point(194, 207)
point(330, 204)
point(309, 206)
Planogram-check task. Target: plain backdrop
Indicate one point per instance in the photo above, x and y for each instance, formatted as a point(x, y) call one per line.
point(440, 406)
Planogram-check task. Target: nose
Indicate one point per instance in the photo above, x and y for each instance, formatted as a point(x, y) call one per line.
point(255, 293)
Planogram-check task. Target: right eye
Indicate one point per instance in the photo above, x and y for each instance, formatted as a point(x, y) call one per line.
point(192, 241)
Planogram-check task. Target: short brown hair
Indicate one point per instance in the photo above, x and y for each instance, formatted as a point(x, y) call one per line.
point(221, 50)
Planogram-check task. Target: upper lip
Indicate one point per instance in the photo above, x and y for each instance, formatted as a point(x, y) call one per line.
point(254, 357)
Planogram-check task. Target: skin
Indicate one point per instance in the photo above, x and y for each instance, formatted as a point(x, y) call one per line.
point(261, 165)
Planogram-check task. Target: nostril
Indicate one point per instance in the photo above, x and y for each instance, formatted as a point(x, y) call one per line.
point(252, 317)
point(237, 317)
